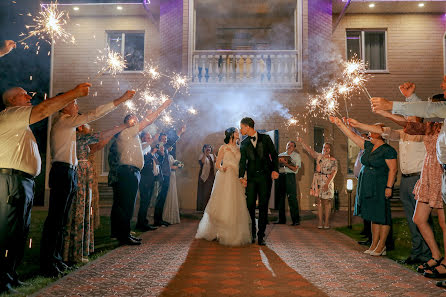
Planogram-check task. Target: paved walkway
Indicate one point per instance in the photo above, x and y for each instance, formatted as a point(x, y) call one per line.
point(298, 261)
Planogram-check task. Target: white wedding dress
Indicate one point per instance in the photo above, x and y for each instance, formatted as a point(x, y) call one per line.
point(226, 217)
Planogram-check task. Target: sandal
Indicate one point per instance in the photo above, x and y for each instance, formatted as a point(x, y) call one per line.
point(435, 273)
point(427, 266)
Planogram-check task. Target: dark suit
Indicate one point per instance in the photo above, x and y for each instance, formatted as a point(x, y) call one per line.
point(258, 162)
point(165, 173)
point(146, 187)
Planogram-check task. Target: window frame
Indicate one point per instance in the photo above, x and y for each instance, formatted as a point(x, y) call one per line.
point(123, 33)
point(362, 45)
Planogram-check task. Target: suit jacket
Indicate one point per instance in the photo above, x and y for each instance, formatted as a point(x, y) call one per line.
point(147, 174)
point(259, 160)
point(164, 159)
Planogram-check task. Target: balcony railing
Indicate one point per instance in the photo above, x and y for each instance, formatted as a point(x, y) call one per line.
point(259, 67)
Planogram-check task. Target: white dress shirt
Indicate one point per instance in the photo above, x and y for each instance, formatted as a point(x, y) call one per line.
point(129, 147)
point(254, 143)
point(426, 109)
point(295, 159)
point(411, 149)
point(63, 132)
point(18, 146)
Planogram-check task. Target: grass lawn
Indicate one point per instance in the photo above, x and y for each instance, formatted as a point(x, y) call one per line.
point(29, 269)
point(402, 237)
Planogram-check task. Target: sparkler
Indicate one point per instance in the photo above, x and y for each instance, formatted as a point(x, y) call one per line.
point(192, 111)
point(111, 61)
point(49, 25)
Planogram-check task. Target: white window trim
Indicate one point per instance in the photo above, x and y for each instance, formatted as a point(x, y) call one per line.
point(382, 71)
point(123, 33)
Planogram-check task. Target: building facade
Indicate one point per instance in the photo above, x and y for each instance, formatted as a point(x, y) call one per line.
point(252, 57)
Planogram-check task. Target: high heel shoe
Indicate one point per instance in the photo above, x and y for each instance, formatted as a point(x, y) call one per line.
point(377, 254)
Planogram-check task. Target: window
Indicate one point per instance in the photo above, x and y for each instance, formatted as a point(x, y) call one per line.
point(370, 46)
point(131, 46)
point(352, 154)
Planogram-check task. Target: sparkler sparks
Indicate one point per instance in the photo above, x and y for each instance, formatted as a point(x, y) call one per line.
point(192, 110)
point(111, 61)
point(49, 25)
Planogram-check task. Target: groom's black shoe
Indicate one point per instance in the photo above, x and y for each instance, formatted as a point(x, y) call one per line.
point(261, 241)
point(279, 223)
point(253, 240)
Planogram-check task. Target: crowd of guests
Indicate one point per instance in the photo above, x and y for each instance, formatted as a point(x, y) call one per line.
point(137, 162)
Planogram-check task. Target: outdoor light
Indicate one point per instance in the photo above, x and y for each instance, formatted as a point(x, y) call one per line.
point(349, 185)
point(420, 4)
point(119, 8)
point(76, 8)
point(349, 191)
point(371, 5)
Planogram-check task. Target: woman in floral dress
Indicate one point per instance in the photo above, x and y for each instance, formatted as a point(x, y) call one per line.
point(79, 240)
point(322, 186)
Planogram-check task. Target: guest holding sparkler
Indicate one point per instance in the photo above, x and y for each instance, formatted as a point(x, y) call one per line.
point(131, 161)
point(163, 157)
point(63, 179)
point(79, 238)
point(412, 157)
point(375, 185)
point(322, 186)
point(206, 176)
point(19, 165)
point(6, 47)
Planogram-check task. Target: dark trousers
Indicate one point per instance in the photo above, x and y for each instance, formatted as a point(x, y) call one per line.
point(161, 199)
point(63, 184)
point(16, 201)
point(145, 194)
point(287, 187)
point(124, 198)
point(258, 187)
point(419, 247)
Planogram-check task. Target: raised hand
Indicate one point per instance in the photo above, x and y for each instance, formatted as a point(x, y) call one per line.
point(407, 89)
point(352, 122)
point(7, 47)
point(379, 103)
point(335, 120)
point(82, 90)
point(128, 95)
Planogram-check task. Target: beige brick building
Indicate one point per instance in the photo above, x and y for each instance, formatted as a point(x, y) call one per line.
point(221, 46)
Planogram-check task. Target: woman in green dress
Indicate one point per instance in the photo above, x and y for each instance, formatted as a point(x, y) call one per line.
point(375, 185)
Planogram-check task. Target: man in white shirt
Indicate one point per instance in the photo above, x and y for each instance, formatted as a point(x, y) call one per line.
point(125, 188)
point(63, 178)
point(289, 162)
point(19, 164)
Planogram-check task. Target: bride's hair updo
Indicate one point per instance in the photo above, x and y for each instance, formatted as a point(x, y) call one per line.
point(229, 134)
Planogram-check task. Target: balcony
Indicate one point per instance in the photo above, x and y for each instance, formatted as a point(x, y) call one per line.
point(277, 69)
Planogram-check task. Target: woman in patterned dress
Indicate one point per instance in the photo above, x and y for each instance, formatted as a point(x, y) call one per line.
point(322, 186)
point(79, 240)
point(428, 195)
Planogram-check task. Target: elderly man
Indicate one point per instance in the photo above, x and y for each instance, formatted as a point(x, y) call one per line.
point(125, 187)
point(163, 157)
point(6, 47)
point(19, 164)
point(289, 162)
point(63, 179)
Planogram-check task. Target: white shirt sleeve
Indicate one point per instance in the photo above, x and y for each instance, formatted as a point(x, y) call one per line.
point(79, 120)
point(422, 109)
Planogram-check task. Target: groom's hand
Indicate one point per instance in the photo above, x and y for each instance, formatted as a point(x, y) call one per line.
point(274, 175)
point(243, 182)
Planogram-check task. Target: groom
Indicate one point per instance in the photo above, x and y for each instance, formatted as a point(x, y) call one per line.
point(259, 159)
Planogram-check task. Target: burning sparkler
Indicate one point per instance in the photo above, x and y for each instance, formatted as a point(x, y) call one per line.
point(49, 25)
point(192, 111)
point(111, 61)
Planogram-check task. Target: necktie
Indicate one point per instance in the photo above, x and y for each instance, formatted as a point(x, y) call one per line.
point(253, 138)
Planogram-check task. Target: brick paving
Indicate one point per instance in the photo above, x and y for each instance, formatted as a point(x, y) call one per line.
point(298, 261)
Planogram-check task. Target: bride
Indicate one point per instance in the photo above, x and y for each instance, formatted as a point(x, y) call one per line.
point(226, 217)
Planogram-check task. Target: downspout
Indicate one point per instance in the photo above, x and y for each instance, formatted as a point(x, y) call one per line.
point(344, 10)
point(146, 3)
